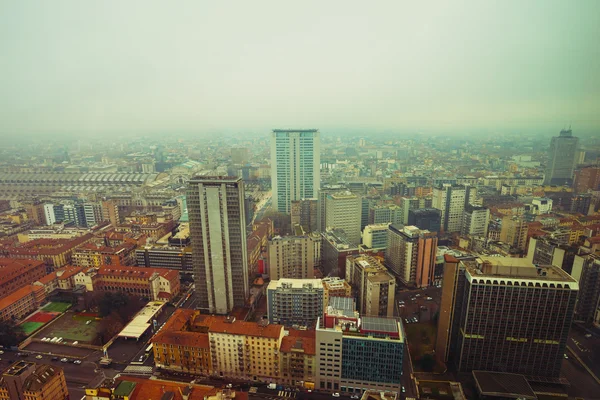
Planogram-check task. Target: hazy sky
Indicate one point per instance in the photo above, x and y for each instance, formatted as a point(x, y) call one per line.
point(204, 66)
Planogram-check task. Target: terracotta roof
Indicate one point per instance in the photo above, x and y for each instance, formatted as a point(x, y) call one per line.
point(154, 389)
point(43, 373)
point(220, 325)
point(47, 279)
point(173, 333)
point(298, 339)
point(67, 272)
point(11, 267)
point(18, 295)
point(139, 272)
point(49, 246)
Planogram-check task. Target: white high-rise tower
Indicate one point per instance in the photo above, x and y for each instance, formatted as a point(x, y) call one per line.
point(295, 166)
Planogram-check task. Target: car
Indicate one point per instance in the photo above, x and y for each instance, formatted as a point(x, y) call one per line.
point(429, 298)
point(1, 351)
point(355, 396)
point(39, 357)
point(401, 302)
point(566, 356)
point(272, 386)
point(418, 295)
point(406, 320)
point(401, 305)
point(54, 359)
point(141, 358)
point(403, 389)
point(64, 360)
point(78, 362)
point(336, 394)
point(588, 335)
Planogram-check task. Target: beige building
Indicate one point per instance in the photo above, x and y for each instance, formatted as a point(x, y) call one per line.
point(292, 257)
point(29, 381)
point(298, 358)
point(343, 211)
point(336, 287)
point(374, 286)
point(514, 232)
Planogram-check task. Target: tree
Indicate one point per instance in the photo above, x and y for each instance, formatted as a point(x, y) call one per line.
point(10, 335)
point(112, 301)
point(110, 326)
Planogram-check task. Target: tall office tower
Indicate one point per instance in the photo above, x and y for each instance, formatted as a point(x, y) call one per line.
point(295, 166)
point(505, 318)
point(291, 257)
point(514, 231)
point(547, 251)
point(426, 218)
point(295, 301)
point(374, 286)
point(586, 179)
point(92, 213)
point(586, 270)
point(475, 221)
point(218, 233)
point(304, 213)
point(411, 254)
point(49, 213)
point(239, 155)
point(451, 201)
point(342, 211)
point(561, 159)
point(366, 203)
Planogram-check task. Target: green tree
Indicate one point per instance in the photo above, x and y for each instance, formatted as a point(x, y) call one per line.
point(10, 335)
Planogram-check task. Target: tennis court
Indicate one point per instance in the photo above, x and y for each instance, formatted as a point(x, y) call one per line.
point(57, 307)
point(28, 327)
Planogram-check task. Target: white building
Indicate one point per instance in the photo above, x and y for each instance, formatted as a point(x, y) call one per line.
point(49, 213)
point(295, 166)
point(451, 201)
point(343, 211)
point(475, 221)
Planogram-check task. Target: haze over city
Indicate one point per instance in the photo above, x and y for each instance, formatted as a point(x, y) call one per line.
point(138, 67)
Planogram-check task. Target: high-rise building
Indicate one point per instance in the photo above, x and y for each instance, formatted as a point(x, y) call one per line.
point(587, 179)
point(586, 270)
point(411, 254)
point(426, 218)
point(413, 203)
point(388, 213)
point(583, 204)
point(514, 231)
point(295, 164)
point(374, 286)
point(110, 212)
point(505, 317)
point(295, 302)
point(218, 234)
point(343, 212)
point(561, 159)
point(375, 236)
point(26, 380)
point(93, 214)
point(35, 212)
point(475, 221)
point(304, 213)
point(335, 248)
point(49, 213)
point(292, 256)
point(451, 201)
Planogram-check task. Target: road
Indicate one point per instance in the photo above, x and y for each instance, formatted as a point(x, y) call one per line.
point(587, 349)
point(582, 384)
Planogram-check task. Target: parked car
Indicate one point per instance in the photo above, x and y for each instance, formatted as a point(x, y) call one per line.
point(64, 360)
point(336, 394)
point(39, 357)
point(78, 362)
point(429, 298)
point(588, 335)
point(272, 386)
point(566, 356)
point(403, 389)
point(54, 359)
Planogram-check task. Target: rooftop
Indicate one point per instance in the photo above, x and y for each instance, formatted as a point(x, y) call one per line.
point(15, 296)
point(289, 283)
point(500, 384)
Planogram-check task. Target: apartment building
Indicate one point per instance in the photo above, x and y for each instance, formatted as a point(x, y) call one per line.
point(343, 211)
point(296, 302)
point(26, 380)
point(373, 286)
point(411, 254)
point(298, 358)
point(154, 283)
point(292, 257)
point(20, 303)
point(15, 274)
point(335, 287)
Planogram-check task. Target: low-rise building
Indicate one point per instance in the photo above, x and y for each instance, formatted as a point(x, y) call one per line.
point(297, 358)
point(335, 287)
point(15, 274)
point(154, 283)
point(19, 304)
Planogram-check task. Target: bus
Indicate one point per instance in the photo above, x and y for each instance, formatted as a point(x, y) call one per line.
point(149, 349)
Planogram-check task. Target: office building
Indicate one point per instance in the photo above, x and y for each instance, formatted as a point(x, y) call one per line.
point(451, 201)
point(587, 179)
point(429, 219)
point(292, 256)
point(411, 254)
point(304, 214)
point(295, 166)
point(93, 214)
point(357, 353)
point(375, 236)
point(475, 221)
point(500, 315)
point(26, 380)
point(561, 159)
point(586, 270)
point(343, 212)
point(583, 204)
point(373, 286)
point(548, 251)
point(322, 204)
point(409, 204)
point(381, 214)
point(295, 302)
point(169, 257)
point(541, 205)
point(219, 248)
point(49, 214)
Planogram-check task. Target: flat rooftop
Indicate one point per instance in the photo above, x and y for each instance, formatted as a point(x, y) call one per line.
point(481, 269)
point(503, 385)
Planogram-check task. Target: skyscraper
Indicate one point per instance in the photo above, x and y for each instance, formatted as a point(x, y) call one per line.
point(216, 213)
point(561, 159)
point(295, 166)
point(342, 211)
point(451, 201)
point(500, 315)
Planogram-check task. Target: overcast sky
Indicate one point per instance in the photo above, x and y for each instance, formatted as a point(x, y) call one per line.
point(203, 66)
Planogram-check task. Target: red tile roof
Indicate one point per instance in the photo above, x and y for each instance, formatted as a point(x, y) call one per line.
point(154, 389)
point(11, 267)
point(18, 295)
point(298, 339)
